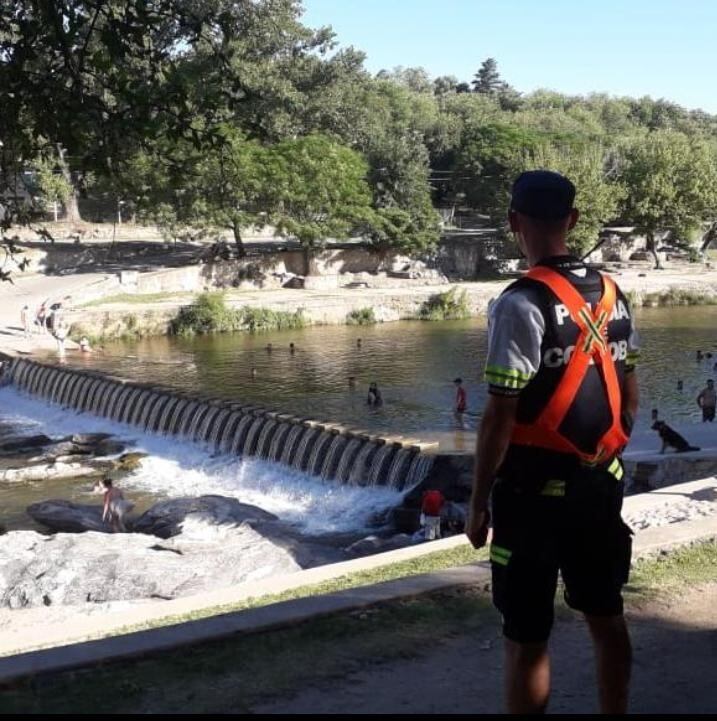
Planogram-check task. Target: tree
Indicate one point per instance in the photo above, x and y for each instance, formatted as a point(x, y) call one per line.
point(52, 183)
point(319, 191)
point(126, 76)
point(598, 194)
point(445, 84)
point(487, 162)
point(671, 183)
point(487, 80)
point(226, 186)
point(416, 79)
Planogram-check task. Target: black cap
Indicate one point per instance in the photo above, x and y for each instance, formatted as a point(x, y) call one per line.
point(543, 194)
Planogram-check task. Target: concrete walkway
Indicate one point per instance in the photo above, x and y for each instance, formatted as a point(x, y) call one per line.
point(69, 651)
point(33, 290)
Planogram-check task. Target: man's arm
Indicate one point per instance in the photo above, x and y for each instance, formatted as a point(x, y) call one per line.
point(492, 444)
point(630, 400)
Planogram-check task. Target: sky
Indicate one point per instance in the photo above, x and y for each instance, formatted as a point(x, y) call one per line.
point(663, 48)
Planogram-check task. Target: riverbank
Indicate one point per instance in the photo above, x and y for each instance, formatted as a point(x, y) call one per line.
point(140, 316)
point(100, 309)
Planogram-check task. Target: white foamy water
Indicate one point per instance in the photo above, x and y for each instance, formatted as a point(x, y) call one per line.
point(175, 468)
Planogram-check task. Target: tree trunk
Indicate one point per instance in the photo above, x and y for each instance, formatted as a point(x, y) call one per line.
point(72, 208)
point(307, 260)
point(241, 250)
point(651, 248)
point(709, 237)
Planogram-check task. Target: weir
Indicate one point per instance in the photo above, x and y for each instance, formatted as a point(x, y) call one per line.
point(319, 449)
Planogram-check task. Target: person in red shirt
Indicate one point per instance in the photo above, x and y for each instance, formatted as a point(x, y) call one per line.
point(460, 405)
point(431, 506)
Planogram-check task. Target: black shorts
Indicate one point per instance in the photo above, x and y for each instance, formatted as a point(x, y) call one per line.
point(579, 534)
point(708, 413)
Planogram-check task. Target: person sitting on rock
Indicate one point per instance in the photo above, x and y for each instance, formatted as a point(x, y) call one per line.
point(115, 506)
point(431, 505)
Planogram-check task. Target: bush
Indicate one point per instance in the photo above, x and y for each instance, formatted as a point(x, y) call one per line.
point(677, 296)
point(450, 305)
point(263, 319)
point(207, 314)
point(694, 255)
point(210, 314)
point(361, 316)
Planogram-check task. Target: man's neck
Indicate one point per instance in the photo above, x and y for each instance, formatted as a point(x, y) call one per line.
point(546, 249)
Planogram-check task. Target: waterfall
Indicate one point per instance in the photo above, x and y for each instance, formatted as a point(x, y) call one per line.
point(198, 416)
point(167, 414)
point(347, 458)
point(301, 458)
point(361, 464)
point(333, 456)
point(113, 401)
point(240, 435)
point(419, 469)
point(218, 427)
point(377, 474)
point(57, 397)
point(229, 427)
point(206, 428)
point(155, 416)
point(400, 464)
point(187, 416)
point(225, 443)
point(251, 437)
point(288, 453)
point(177, 415)
point(317, 455)
point(100, 395)
point(147, 404)
point(264, 443)
point(277, 440)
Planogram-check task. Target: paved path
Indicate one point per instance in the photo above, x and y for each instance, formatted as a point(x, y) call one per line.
point(33, 290)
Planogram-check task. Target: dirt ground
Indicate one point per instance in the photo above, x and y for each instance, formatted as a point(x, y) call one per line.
point(674, 671)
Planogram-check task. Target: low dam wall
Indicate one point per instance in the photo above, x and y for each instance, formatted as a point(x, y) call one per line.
point(327, 450)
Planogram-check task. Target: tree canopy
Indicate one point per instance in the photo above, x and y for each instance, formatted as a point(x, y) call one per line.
point(195, 113)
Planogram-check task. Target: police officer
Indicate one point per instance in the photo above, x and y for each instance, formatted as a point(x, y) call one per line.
point(562, 396)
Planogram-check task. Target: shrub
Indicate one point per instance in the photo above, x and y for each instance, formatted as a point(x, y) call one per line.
point(361, 316)
point(210, 314)
point(450, 305)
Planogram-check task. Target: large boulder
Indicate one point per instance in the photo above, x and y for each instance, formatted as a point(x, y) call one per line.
point(166, 518)
point(67, 517)
point(13, 445)
point(375, 544)
point(37, 570)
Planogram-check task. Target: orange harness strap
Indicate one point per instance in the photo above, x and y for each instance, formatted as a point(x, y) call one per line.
point(591, 344)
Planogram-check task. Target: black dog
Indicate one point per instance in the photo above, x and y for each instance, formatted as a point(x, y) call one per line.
point(672, 438)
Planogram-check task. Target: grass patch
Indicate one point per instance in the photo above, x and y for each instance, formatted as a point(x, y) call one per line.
point(133, 299)
point(670, 298)
point(361, 316)
point(673, 571)
point(451, 305)
point(209, 313)
point(234, 674)
point(437, 561)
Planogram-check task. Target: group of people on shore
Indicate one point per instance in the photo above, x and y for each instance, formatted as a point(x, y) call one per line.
point(49, 319)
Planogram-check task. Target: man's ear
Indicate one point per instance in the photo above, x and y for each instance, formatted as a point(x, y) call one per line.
point(574, 217)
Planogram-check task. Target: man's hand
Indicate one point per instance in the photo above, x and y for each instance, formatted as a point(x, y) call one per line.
point(477, 527)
